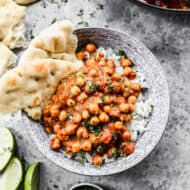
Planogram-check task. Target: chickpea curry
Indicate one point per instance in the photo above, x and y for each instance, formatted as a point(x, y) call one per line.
point(92, 107)
point(174, 4)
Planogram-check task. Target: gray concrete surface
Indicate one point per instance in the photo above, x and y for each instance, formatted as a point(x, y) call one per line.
point(168, 37)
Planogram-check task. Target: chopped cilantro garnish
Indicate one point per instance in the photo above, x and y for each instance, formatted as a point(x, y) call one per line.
point(81, 157)
point(93, 86)
point(103, 99)
point(93, 129)
point(111, 86)
point(69, 116)
point(122, 53)
point(99, 148)
point(127, 89)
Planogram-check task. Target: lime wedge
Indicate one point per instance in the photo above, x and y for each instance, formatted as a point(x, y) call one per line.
point(7, 146)
point(12, 177)
point(31, 180)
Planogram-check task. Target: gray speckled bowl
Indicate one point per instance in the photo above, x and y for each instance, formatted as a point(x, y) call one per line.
point(150, 67)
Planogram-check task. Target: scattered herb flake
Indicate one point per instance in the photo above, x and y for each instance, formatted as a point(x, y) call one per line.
point(54, 20)
point(31, 34)
point(92, 15)
point(100, 6)
point(111, 86)
point(81, 12)
point(84, 23)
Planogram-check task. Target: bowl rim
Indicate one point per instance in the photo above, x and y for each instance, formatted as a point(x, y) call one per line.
point(86, 184)
point(137, 161)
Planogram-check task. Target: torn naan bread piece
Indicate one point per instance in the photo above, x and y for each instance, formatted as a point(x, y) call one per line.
point(25, 2)
point(31, 86)
point(11, 24)
point(7, 59)
point(57, 42)
point(49, 58)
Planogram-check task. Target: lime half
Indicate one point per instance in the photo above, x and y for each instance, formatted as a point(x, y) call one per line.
point(12, 177)
point(31, 181)
point(7, 146)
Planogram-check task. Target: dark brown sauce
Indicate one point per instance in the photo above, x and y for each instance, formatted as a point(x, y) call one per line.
point(174, 4)
point(86, 188)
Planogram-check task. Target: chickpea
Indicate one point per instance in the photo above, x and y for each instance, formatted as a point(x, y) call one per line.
point(61, 135)
point(132, 107)
point(106, 99)
point(132, 75)
point(104, 117)
point(97, 160)
point(124, 108)
point(101, 54)
point(94, 120)
point(126, 62)
point(70, 129)
point(80, 81)
point(81, 55)
point(56, 128)
point(107, 108)
point(93, 73)
point(82, 132)
point(129, 148)
point(110, 63)
point(55, 143)
point(90, 62)
point(116, 77)
point(126, 136)
point(77, 118)
point(75, 90)
point(136, 86)
point(86, 145)
point(90, 47)
point(93, 108)
point(115, 112)
point(63, 116)
point(54, 111)
point(76, 147)
point(85, 114)
point(132, 99)
point(108, 70)
point(87, 89)
point(111, 152)
point(117, 86)
point(127, 71)
point(82, 97)
point(126, 117)
point(70, 102)
point(48, 130)
point(118, 125)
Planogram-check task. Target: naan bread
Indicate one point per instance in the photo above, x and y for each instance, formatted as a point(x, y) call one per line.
point(24, 2)
point(7, 59)
point(11, 24)
point(57, 42)
point(31, 85)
